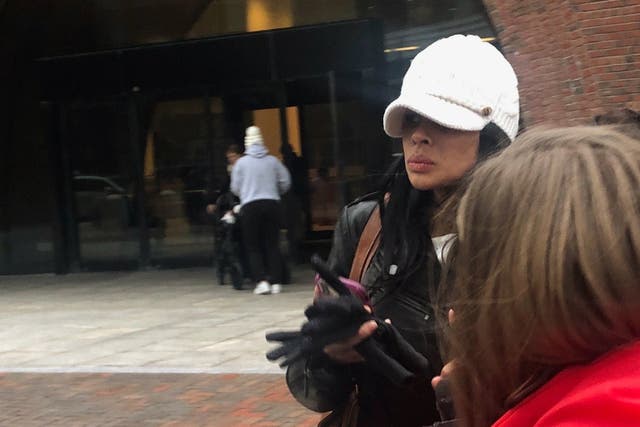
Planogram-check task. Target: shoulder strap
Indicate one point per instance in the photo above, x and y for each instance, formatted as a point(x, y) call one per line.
point(367, 245)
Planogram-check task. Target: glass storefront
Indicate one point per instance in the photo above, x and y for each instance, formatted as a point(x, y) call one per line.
point(143, 98)
point(179, 181)
point(103, 185)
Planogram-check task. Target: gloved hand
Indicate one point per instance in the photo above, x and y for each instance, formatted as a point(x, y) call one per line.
point(331, 319)
point(335, 319)
point(398, 348)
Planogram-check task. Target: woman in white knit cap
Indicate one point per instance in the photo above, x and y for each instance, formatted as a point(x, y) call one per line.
point(259, 179)
point(458, 104)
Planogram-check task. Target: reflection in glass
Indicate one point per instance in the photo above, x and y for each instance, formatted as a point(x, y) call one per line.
point(102, 185)
point(177, 171)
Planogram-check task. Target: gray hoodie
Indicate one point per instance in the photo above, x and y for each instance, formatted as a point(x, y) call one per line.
point(258, 176)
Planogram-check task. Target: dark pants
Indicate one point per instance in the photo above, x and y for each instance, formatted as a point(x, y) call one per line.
point(261, 234)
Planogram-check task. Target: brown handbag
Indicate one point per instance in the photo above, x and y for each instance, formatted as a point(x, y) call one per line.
point(347, 415)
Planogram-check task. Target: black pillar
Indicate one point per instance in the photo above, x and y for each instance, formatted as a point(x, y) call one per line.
point(337, 157)
point(282, 109)
point(71, 241)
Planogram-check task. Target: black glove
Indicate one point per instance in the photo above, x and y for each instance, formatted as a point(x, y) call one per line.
point(331, 319)
point(334, 319)
point(398, 348)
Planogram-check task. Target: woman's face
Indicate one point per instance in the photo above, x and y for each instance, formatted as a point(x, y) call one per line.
point(435, 156)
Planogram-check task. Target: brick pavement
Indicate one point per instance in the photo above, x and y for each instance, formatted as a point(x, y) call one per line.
point(165, 400)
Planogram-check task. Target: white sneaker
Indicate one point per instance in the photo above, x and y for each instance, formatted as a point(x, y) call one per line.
point(276, 289)
point(262, 288)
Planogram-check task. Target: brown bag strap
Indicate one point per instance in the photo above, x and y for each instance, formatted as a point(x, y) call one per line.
point(367, 245)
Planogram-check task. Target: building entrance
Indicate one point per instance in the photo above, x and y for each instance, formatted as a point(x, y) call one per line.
point(145, 153)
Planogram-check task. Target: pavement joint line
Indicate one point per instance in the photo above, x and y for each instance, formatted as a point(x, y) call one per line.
point(135, 370)
point(274, 324)
point(162, 326)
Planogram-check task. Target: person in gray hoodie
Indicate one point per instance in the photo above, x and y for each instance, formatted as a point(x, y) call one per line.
point(259, 179)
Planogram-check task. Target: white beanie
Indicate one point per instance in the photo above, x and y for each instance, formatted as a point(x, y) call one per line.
point(253, 136)
point(461, 83)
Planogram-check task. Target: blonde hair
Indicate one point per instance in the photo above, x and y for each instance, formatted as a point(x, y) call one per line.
point(547, 264)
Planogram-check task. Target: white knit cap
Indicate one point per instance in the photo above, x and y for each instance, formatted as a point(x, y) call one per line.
point(253, 136)
point(461, 83)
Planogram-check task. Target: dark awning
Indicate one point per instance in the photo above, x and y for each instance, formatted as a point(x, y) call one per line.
point(272, 55)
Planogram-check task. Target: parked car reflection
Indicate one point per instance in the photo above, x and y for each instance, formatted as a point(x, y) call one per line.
point(102, 202)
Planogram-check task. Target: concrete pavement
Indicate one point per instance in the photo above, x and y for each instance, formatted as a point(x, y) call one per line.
point(156, 321)
point(157, 348)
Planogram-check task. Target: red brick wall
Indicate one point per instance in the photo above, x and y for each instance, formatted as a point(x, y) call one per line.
point(574, 58)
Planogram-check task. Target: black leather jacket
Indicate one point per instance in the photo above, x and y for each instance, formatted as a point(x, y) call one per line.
point(408, 306)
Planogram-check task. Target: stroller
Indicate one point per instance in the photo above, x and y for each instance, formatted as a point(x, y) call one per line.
point(227, 241)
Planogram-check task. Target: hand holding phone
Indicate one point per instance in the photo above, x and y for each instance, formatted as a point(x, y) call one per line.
point(341, 285)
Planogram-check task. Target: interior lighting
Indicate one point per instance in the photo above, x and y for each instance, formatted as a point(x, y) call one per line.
point(401, 49)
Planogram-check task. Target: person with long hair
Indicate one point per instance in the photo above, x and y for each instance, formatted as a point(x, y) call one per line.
point(458, 105)
point(547, 284)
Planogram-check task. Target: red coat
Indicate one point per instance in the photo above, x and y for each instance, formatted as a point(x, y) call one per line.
point(605, 392)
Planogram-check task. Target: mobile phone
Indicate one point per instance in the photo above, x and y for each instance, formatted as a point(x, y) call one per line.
point(330, 278)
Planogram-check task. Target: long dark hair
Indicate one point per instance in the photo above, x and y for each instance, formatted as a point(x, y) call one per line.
point(407, 212)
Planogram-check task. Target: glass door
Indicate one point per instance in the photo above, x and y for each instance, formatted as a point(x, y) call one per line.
point(180, 156)
point(102, 185)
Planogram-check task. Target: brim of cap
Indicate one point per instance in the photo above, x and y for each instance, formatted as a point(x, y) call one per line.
point(443, 112)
